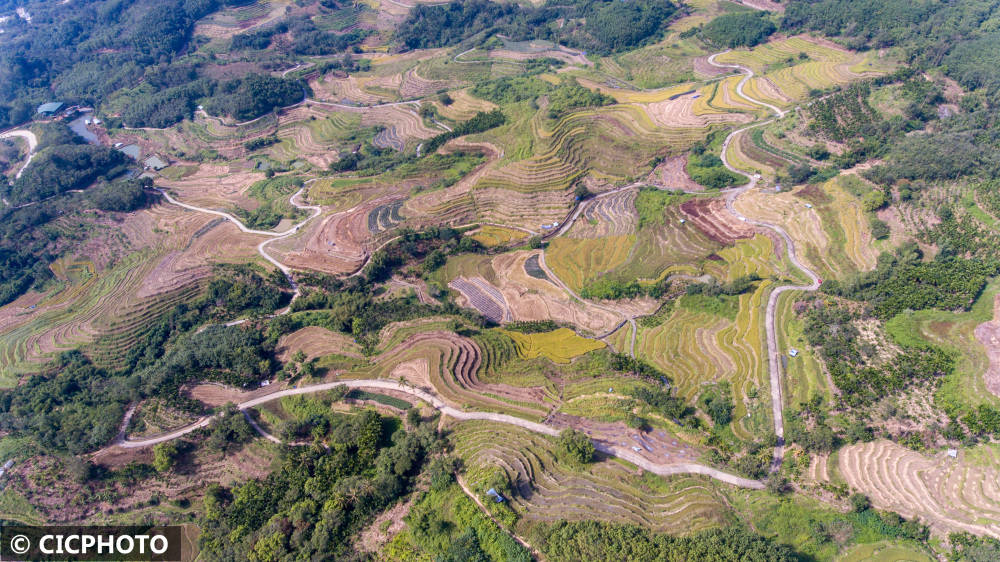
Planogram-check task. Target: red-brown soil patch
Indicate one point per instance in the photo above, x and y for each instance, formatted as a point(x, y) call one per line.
point(671, 174)
point(656, 446)
point(712, 218)
point(213, 394)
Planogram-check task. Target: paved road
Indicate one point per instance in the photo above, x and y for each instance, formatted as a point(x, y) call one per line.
point(28, 137)
point(770, 315)
point(437, 403)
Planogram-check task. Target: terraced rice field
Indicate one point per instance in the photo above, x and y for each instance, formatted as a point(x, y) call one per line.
point(576, 261)
point(468, 265)
point(746, 256)
point(492, 236)
point(317, 140)
point(834, 233)
point(315, 342)
point(535, 297)
point(804, 377)
point(464, 106)
point(691, 110)
point(90, 306)
point(686, 347)
point(349, 91)
point(449, 364)
point(559, 346)
point(761, 57)
point(826, 66)
point(614, 215)
point(724, 97)
point(231, 21)
point(547, 490)
point(667, 247)
point(949, 494)
point(385, 217)
point(484, 297)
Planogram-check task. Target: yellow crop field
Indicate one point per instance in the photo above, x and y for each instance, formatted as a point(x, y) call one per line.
point(762, 56)
point(578, 260)
point(632, 96)
point(491, 236)
point(559, 346)
point(753, 255)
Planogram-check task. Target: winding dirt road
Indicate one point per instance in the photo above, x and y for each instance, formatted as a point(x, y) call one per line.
point(770, 316)
point(316, 211)
point(382, 384)
point(29, 138)
point(625, 454)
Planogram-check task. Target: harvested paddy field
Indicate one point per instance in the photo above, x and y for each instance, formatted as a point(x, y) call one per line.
point(949, 494)
point(160, 257)
point(315, 341)
point(671, 174)
point(613, 215)
point(520, 291)
point(216, 186)
point(683, 111)
point(548, 490)
point(715, 221)
point(340, 242)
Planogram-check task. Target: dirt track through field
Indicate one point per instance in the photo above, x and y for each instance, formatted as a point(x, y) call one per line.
point(625, 454)
point(770, 316)
point(272, 235)
point(29, 138)
point(437, 403)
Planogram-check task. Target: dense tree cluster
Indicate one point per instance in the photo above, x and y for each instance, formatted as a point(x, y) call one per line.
point(959, 35)
point(861, 378)
point(903, 282)
point(602, 26)
point(64, 167)
point(739, 29)
point(575, 447)
point(318, 498)
point(708, 170)
point(91, 51)
point(253, 95)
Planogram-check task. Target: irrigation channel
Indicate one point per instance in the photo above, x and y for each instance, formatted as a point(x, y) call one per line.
point(774, 364)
